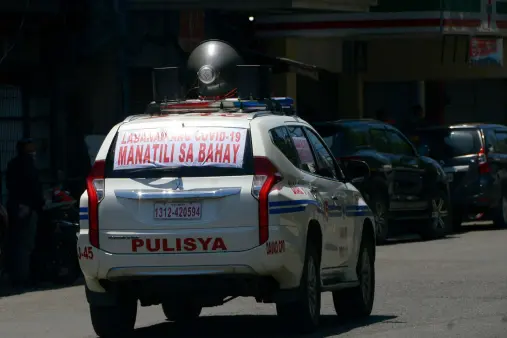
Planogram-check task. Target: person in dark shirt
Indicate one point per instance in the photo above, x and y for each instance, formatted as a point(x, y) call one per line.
point(25, 200)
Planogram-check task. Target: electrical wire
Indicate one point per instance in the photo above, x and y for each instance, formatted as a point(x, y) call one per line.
point(18, 34)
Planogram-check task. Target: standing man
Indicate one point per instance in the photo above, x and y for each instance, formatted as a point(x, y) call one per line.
point(25, 200)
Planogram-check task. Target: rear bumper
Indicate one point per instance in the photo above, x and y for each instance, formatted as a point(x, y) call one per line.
point(285, 267)
point(477, 197)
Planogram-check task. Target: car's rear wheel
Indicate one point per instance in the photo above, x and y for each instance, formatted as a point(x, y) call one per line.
point(358, 301)
point(181, 312)
point(437, 225)
point(304, 313)
point(114, 321)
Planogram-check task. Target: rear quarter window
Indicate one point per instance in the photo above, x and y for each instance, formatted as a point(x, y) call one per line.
point(449, 143)
point(182, 152)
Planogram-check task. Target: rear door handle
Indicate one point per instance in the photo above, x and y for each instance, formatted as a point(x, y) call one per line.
point(313, 188)
point(334, 198)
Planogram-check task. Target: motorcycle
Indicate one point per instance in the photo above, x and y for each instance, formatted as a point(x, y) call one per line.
point(55, 259)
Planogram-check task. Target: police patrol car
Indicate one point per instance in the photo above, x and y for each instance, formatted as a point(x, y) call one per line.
point(211, 199)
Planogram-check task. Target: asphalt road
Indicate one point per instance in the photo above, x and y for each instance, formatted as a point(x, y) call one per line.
point(456, 287)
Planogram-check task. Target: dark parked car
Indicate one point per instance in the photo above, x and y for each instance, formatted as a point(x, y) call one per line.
point(406, 191)
point(474, 156)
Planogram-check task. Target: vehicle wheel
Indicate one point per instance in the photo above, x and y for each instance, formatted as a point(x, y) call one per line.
point(181, 312)
point(358, 301)
point(304, 313)
point(438, 224)
point(500, 220)
point(380, 213)
point(114, 321)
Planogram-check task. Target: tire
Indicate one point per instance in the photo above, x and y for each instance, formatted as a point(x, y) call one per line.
point(500, 220)
point(181, 312)
point(438, 224)
point(114, 321)
point(379, 205)
point(304, 313)
point(357, 302)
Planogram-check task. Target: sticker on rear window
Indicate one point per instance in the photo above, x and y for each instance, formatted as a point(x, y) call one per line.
point(303, 149)
point(180, 147)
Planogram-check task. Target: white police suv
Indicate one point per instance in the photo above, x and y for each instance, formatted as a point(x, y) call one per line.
point(192, 208)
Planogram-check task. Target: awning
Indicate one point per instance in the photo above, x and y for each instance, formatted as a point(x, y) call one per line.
point(284, 65)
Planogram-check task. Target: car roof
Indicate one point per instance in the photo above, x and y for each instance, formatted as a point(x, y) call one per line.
point(465, 126)
point(348, 122)
point(206, 118)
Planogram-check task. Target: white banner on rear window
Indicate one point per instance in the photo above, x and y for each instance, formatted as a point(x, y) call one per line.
point(180, 147)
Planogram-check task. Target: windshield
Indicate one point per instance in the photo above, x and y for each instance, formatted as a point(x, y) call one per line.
point(180, 152)
point(448, 143)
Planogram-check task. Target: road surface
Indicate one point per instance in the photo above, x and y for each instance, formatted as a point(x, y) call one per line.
point(456, 287)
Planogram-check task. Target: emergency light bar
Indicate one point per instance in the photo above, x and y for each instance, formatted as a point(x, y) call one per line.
point(282, 102)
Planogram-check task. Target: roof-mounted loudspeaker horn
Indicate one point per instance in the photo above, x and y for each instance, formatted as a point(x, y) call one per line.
point(166, 84)
point(254, 82)
point(214, 63)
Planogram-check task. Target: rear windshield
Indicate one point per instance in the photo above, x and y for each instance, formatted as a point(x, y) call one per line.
point(344, 140)
point(180, 152)
point(449, 143)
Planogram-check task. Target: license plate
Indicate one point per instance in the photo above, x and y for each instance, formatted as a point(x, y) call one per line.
point(177, 211)
point(450, 177)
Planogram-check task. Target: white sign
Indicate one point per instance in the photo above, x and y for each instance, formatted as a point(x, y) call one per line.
point(180, 147)
point(303, 149)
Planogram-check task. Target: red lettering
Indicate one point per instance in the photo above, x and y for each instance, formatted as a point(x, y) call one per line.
point(123, 141)
point(172, 152)
point(201, 156)
point(235, 149)
point(219, 244)
point(147, 155)
point(222, 136)
point(154, 248)
point(122, 155)
point(156, 146)
point(166, 158)
point(190, 153)
point(227, 154)
point(139, 154)
point(218, 153)
point(183, 146)
point(210, 153)
point(178, 244)
point(189, 244)
point(204, 243)
point(165, 246)
point(130, 159)
point(137, 243)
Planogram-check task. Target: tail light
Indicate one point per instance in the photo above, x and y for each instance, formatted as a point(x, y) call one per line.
point(266, 176)
point(95, 184)
point(482, 160)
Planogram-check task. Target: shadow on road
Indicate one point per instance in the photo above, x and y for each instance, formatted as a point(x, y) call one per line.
point(6, 290)
point(481, 227)
point(251, 326)
point(414, 239)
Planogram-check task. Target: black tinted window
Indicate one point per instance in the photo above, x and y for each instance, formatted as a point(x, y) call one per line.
point(501, 142)
point(448, 143)
point(281, 138)
point(398, 144)
point(303, 148)
point(344, 140)
point(215, 154)
point(379, 140)
point(324, 158)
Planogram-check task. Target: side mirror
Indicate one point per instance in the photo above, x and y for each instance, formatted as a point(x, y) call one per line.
point(358, 171)
point(490, 148)
point(424, 150)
